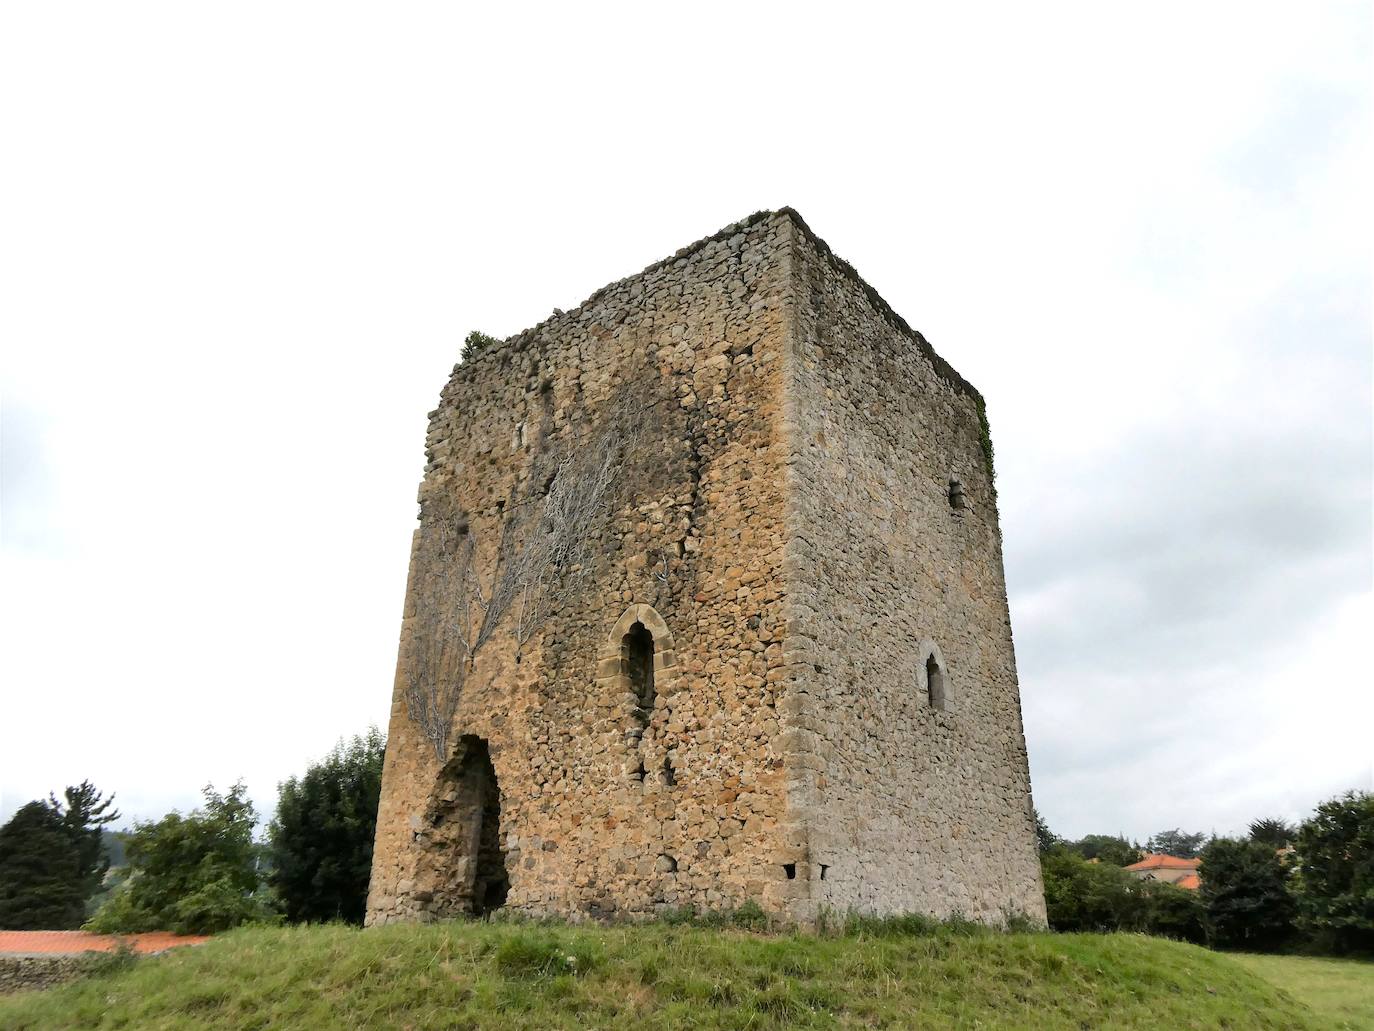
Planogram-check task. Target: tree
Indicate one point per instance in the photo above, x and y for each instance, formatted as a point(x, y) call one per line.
point(1045, 838)
point(1177, 843)
point(1107, 848)
point(1335, 880)
point(1174, 912)
point(52, 859)
point(1245, 890)
point(1084, 896)
point(194, 874)
point(1276, 833)
point(84, 816)
point(321, 839)
point(40, 880)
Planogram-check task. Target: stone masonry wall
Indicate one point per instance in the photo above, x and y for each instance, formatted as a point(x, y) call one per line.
point(604, 813)
point(894, 556)
point(809, 533)
point(24, 973)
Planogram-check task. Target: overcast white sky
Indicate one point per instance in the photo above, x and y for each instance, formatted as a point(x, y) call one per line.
point(240, 245)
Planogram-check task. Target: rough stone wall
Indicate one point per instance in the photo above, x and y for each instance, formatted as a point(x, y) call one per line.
point(894, 556)
point(24, 973)
point(605, 810)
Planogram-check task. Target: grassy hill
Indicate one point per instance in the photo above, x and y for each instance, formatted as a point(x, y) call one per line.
point(1341, 989)
point(661, 976)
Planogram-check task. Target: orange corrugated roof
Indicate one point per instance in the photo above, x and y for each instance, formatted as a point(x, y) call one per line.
point(74, 942)
point(1159, 861)
point(1190, 881)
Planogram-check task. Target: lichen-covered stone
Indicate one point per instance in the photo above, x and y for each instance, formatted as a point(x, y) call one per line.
point(790, 545)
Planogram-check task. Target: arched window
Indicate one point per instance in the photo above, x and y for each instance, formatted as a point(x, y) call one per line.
point(637, 649)
point(936, 676)
point(637, 664)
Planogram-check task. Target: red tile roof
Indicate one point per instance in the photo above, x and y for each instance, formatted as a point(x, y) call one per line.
point(1159, 861)
point(73, 942)
point(1190, 881)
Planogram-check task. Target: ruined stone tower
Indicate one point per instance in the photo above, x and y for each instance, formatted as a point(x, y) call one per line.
point(706, 605)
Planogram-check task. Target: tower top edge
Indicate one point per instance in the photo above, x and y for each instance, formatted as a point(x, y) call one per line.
point(876, 299)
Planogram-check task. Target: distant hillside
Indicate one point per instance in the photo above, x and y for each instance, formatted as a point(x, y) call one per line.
point(472, 975)
point(113, 843)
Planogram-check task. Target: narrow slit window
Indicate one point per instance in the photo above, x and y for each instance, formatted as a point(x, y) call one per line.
point(958, 500)
point(935, 683)
point(638, 651)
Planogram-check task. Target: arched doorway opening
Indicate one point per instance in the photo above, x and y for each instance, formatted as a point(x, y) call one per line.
point(467, 824)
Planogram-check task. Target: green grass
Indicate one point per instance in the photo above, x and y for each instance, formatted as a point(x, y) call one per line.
point(1340, 990)
point(510, 975)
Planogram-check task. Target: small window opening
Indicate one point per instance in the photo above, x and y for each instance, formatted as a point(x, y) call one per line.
point(957, 500)
point(637, 648)
point(669, 776)
point(935, 683)
point(519, 441)
point(823, 869)
point(640, 772)
point(791, 870)
point(667, 864)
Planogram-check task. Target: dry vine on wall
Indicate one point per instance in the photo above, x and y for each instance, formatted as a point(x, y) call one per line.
point(538, 562)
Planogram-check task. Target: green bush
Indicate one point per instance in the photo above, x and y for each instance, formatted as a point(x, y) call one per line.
point(195, 874)
point(1084, 896)
point(748, 917)
point(1173, 912)
point(475, 343)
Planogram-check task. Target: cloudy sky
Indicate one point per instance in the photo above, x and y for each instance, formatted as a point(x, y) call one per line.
point(240, 246)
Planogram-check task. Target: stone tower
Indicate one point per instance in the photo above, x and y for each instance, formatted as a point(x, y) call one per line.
point(706, 605)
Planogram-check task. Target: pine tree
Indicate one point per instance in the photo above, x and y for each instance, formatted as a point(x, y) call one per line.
point(84, 815)
point(40, 880)
point(323, 831)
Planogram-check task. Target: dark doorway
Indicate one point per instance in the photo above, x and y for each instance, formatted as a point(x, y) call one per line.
point(469, 821)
